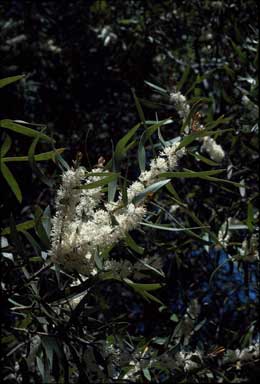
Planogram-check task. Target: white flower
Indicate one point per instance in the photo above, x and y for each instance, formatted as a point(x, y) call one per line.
point(134, 189)
point(181, 104)
point(215, 151)
point(80, 229)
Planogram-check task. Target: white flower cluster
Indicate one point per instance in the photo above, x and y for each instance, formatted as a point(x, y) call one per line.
point(214, 150)
point(73, 207)
point(180, 103)
point(241, 356)
point(209, 145)
point(81, 228)
point(188, 361)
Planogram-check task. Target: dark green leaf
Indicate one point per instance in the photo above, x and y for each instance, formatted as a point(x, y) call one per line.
point(9, 124)
point(19, 227)
point(183, 78)
point(250, 217)
point(39, 157)
point(133, 245)
point(138, 106)
point(99, 183)
point(143, 287)
point(46, 180)
point(7, 174)
point(6, 146)
point(191, 174)
point(203, 159)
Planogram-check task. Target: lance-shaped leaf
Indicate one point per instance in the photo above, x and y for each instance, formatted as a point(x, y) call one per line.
point(99, 183)
point(151, 189)
point(145, 289)
point(191, 174)
point(39, 157)
point(46, 180)
point(194, 136)
point(133, 245)
point(6, 146)
point(9, 124)
point(121, 147)
point(9, 177)
point(19, 227)
point(10, 80)
point(145, 136)
point(156, 88)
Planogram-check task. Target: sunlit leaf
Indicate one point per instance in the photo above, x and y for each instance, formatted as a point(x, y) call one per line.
point(10, 80)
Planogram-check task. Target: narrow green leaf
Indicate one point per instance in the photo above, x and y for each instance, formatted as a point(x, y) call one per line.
point(250, 217)
point(183, 78)
point(203, 159)
point(174, 193)
point(151, 189)
point(238, 51)
point(168, 227)
point(220, 120)
point(39, 228)
point(9, 124)
point(7, 174)
point(98, 261)
point(215, 179)
point(200, 99)
point(145, 136)
point(19, 227)
point(191, 174)
point(157, 271)
point(47, 344)
point(157, 88)
point(144, 287)
point(63, 165)
point(123, 188)
point(112, 185)
point(133, 245)
point(120, 149)
point(99, 183)
point(46, 180)
point(46, 220)
point(194, 136)
point(36, 246)
point(149, 297)
point(138, 106)
point(39, 157)
point(141, 154)
point(6, 146)
point(9, 80)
